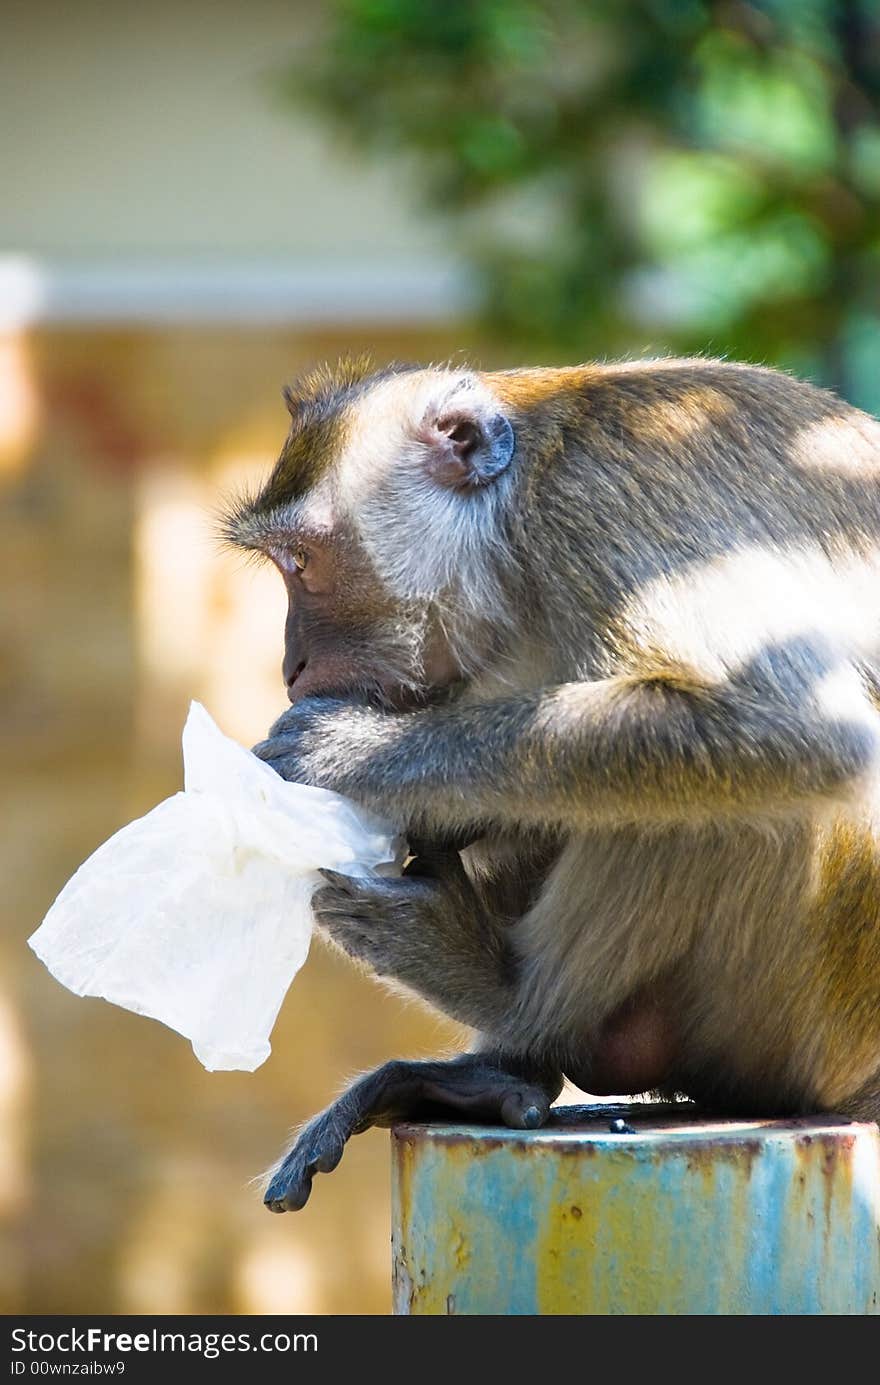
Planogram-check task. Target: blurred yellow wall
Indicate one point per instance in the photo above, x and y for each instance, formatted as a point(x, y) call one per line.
point(124, 1168)
point(174, 245)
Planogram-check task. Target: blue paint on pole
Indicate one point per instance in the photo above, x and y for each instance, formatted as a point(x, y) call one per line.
point(683, 1215)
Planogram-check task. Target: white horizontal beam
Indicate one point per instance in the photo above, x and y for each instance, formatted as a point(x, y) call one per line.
point(34, 291)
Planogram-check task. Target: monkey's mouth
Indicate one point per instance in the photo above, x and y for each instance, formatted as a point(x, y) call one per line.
point(332, 679)
point(294, 677)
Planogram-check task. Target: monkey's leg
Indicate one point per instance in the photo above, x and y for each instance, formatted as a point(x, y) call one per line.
point(430, 931)
point(481, 1085)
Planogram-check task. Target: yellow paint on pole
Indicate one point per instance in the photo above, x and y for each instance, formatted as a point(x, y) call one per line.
point(679, 1215)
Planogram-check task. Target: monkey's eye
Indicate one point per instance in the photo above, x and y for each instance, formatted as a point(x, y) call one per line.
point(300, 557)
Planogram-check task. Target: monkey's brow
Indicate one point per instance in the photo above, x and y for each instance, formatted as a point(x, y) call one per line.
point(261, 529)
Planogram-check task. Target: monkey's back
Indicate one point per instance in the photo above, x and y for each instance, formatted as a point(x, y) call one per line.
point(641, 472)
point(722, 523)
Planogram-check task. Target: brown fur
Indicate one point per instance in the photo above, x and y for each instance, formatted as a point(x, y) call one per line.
point(661, 736)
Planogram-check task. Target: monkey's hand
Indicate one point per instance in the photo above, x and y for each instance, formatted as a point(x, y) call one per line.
point(317, 742)
point(348, 746)
point(308, 742)
point(376, 920)
point(428, 930)
point(395, 924)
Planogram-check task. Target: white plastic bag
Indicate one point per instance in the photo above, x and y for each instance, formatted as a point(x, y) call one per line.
point(199, 914)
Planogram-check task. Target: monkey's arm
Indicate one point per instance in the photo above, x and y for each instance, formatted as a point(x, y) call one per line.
point(619, 749)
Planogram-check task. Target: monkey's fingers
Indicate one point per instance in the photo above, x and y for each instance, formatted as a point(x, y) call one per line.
point(350, 885)
point(381, 902)
point(317, 1150)
point(275, 748)
point(377, 892)
point(369, 918)
point(289, 1189)
point(283, 755)
point(262, 749)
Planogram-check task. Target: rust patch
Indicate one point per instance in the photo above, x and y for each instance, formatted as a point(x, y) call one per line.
point(473, 1138)
point(836, 1148)
point(704, 1157)
point(404, 1158)
point(402, 1286)
point(833, 1158)
point(701, 1139)
point(581, 1150)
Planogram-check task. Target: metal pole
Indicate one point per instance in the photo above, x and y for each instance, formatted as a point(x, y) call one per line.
point(673, 1214)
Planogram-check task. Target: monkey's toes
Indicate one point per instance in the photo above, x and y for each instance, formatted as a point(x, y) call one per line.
point(289, 1190)
point(316, 1151)
point(525, 1108)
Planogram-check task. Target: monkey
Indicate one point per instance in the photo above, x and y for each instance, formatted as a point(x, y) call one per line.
point(604, 641)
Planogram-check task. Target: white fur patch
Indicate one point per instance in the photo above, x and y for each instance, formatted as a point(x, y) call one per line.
point(429, 543)
point(712, 606)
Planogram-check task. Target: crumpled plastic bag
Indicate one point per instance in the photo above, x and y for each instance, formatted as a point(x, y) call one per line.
point(199, 914)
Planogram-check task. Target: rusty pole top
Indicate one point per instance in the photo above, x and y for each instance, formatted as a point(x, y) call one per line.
point(642, 1209)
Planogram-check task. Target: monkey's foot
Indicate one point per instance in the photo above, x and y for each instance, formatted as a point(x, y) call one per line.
point(318, 1149)
point(475, 1084)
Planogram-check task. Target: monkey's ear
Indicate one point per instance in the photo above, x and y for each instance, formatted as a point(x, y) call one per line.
point(465, 447)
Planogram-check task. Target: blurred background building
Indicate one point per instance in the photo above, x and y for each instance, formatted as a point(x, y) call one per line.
point(198, 202)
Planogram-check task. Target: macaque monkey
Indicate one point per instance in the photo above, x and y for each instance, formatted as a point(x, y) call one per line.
point(605, 641)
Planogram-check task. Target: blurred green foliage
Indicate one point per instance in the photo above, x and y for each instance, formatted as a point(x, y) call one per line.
point(629, 175)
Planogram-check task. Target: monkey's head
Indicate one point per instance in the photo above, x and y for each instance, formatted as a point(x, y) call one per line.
point(382, 515)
